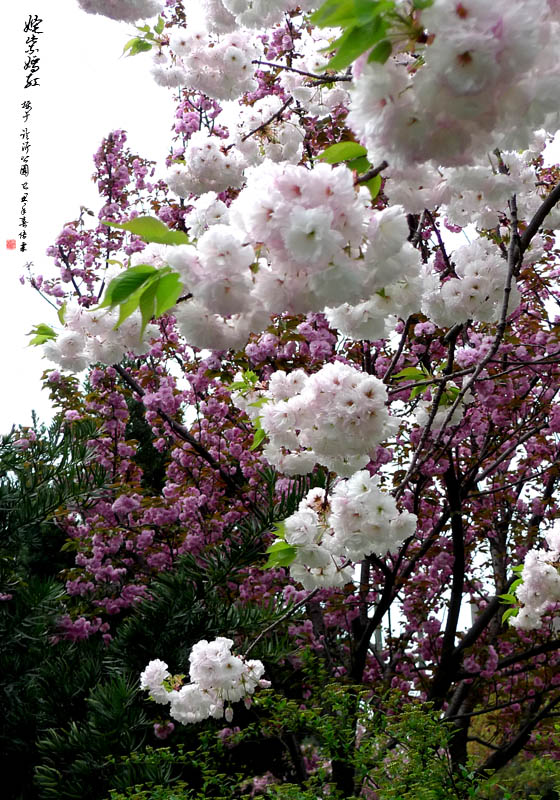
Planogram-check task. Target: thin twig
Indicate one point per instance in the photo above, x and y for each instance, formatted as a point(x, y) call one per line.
point(284, 617)
point(318, 78)
point(183, 433)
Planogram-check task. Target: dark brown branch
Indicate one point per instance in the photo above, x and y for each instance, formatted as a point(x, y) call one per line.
point(400, 348)
point(371, 173)
point(538, 219)
point(317, 78)
point(448, 665)
point(501, 757)
point(183, 433)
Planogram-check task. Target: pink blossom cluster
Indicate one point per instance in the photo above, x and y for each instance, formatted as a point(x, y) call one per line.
point(356, 520)
point(488, 78)
point(220, 67)
point(334, 417)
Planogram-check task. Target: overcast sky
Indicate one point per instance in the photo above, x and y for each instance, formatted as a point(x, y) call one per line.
point(86, 89)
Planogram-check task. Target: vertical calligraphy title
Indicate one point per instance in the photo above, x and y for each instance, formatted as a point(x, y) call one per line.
point(31, 68)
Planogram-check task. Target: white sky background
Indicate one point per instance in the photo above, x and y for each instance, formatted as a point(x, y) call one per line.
point(86, 89)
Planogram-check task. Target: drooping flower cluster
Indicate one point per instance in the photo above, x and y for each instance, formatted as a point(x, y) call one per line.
point(540, 589)
point(394, 280)
point(226, 14)
point(218, 679)
point(335, 417)
point(358, 519)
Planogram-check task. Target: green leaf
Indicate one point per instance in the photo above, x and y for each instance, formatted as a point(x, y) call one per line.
point(345, 13)
point(511, 612)
point(260, 402)
point(123, 286)
point(136, 46)
point(129, 44)
point(147, 304)
point(280, 529)
point(150, 229)
point(127, 308)
point(422, 3)
point(41, 333)
point(61, 312)
point(335, 14)
point(168, 292)
point(416, 390)
point(342, 151)
point(360, 165)
point(280, 554)
point(515, 585)
point(71, 544)
point(258, 438)
point(374, 186)
point(518, 569)
point(160, 25)
point(508, 598)
point(249, 380)
point(381, 52)
point(367, 10)
point(356, 41)
point(410, 373)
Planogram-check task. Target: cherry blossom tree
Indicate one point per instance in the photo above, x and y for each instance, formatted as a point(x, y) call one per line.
point(333, 311)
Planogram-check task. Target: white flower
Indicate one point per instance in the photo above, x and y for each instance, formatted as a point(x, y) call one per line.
point(152, 679)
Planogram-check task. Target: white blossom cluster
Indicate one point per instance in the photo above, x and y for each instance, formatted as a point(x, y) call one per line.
point(221, 67)
point(541, 584)
point(307, 221)
point(335, 417)
point(477, 293)
point(394, 280)
point(489, 77)
point(218, 679)
point(226, 15)
point(89, 337)
point(281, 139)
point(206, 210)
point(317, 242)
point(206, 168)
point(123, 10)
point(358, 519)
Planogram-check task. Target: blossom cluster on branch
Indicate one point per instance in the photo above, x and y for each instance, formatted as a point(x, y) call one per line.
point(218, 679)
